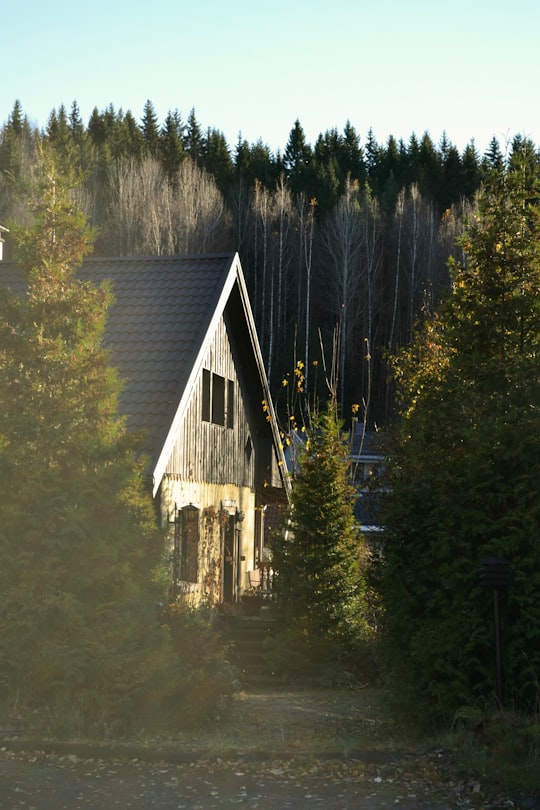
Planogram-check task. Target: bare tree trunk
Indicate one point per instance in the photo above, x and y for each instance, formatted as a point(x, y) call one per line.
point(400, 206)
point(372, 245)
point(261, 205)
point(284, 212)
point(308, 257)
point(342, 237)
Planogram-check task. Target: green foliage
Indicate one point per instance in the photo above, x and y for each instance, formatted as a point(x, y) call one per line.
point(318, 565)
point(503, 746)
point(79, 550)
point(203, 675)
point(136, 188)
point(464, 472)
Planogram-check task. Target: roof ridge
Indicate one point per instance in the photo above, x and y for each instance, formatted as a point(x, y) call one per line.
point(163, 257)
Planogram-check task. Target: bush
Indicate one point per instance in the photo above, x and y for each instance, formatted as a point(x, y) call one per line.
point(203, 675)
point(297, 657)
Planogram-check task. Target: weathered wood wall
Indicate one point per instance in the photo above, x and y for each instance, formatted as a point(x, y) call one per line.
point(213, 453)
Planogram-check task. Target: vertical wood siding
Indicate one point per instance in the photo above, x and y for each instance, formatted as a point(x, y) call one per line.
point(213, 453)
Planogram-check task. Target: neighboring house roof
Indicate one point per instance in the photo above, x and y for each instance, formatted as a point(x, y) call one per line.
point(165, 311)
point(366, 444)
point(366, 450)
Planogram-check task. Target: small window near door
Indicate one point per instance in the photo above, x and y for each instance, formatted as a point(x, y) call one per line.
point(189, 550)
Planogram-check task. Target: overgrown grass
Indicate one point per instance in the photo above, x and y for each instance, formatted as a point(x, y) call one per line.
point(503, 747)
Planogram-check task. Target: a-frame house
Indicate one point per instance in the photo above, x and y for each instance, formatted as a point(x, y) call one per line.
point(182, 336)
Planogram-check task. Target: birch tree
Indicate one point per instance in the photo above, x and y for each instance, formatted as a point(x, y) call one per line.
point(342, 238)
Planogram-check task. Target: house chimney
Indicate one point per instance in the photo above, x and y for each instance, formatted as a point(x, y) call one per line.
point(2, 232)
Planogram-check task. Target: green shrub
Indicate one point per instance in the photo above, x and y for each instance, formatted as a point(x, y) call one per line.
point(203, 674)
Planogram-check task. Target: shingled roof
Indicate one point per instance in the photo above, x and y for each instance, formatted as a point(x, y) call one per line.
point(161, 313)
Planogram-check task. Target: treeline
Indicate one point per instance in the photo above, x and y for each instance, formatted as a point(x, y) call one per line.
point(343, 244)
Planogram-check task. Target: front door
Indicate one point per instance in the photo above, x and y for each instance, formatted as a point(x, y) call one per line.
point(229, 560)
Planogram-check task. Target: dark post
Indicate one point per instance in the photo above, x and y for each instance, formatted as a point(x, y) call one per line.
point(495, 574)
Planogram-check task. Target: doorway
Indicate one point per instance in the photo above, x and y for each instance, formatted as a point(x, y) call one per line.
point(230, 560)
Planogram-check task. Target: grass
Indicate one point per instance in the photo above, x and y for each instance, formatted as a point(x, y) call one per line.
point(503, 747)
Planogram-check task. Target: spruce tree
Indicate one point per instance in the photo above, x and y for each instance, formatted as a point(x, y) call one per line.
point(464, 471)
point(318, 564)
point(150, 129)
point(79, 549)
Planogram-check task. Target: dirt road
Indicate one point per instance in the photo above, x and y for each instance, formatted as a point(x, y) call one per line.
point(274, 750)
point(68, 783)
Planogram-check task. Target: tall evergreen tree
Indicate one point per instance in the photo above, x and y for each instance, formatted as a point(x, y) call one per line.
point(16, 146)
point(150, 129)
point(297, 159)
point(318, 568)
point(76, 125)
point(78, 547)
point(465, 471)
point(194, 139)
point(171, 143)
point(471, 171)
point(352, 158)
point(217, 160)
point(493, 157)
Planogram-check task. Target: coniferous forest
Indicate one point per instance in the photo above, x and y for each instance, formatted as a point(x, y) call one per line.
point(344, 243)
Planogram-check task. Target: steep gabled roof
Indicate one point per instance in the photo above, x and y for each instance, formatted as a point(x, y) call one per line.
point(160, 316)
point(165, 311)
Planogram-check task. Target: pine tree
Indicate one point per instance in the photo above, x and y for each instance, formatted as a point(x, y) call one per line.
point(171, 143)
point(150, 129)
point(17, 145)
point(297, 159)
point(493, 157)
point(78, 545)
point(318, 568)
point(217, 160)
point(194, 139)
point(465, 470)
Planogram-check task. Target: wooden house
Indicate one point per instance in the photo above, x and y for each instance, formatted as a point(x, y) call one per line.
point(182, 336)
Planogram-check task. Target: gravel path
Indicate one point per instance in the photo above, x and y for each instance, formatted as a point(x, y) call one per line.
point(38, 782)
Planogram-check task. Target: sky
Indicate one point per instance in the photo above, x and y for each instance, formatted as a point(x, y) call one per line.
point(469, 68)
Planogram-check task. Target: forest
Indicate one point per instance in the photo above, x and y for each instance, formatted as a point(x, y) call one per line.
point(344, 243)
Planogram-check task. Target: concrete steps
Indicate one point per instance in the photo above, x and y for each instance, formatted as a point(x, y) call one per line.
point(249, 636)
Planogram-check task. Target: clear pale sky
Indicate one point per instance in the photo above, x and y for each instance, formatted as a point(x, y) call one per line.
point(470, 68)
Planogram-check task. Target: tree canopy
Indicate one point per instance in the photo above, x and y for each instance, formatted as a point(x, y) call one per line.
point(319, 562)
point(79, 639)
point(161, 188)
point(464, 468)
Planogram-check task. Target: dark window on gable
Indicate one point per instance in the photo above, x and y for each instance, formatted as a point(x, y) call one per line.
point(230, 404)
point(215, 408)
point(206, 395)
point(218, 399)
